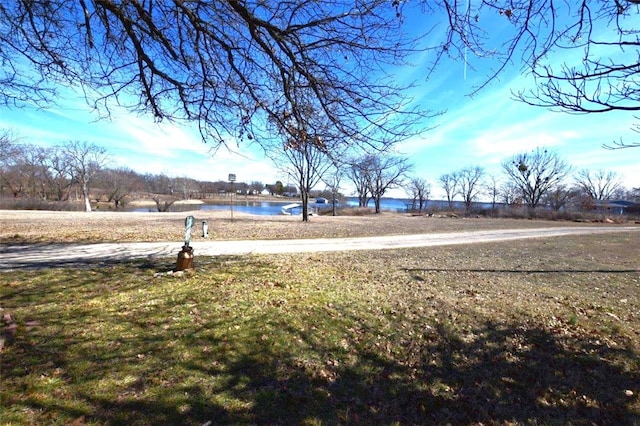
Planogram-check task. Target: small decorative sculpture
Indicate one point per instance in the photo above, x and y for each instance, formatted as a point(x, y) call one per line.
point(185, 257)
point(188, 223)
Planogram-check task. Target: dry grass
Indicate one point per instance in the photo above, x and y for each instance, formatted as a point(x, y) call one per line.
point(543, 331)
point(48, 226)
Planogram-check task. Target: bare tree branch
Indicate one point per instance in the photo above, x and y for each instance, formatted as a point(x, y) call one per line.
point(230, 66)
point(601, 38)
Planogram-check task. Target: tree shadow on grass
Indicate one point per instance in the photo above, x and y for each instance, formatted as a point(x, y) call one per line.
point(490, 379)
point(45, 256)
point(507, 373)
point(210, 372)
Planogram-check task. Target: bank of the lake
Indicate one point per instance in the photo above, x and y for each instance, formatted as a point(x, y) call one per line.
point(274, 206)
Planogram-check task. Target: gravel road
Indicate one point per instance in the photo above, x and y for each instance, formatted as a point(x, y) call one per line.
point(47, 255)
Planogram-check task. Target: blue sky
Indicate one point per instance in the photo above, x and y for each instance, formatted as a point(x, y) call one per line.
point(479, 131)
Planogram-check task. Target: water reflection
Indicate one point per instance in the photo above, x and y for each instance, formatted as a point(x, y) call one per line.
point(264, 208)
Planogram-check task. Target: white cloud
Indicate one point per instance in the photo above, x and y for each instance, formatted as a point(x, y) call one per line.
point(179, 151)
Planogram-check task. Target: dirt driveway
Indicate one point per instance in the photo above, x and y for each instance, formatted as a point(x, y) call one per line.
point(55, 254)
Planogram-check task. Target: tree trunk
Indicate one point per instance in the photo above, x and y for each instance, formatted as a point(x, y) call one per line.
point(85, 196)
point(305, 203)
point(376, 200)
point(333, 205)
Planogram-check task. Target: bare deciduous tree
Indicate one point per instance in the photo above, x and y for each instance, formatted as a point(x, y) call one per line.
point(8, 146)
point(598, 185)
point(634, 194)
point(535, 173)
point(230, 66)
point(600, 37)
point(184, 60)
point(358, 173)
point(559, 197)
point(85, 161)
point(117, 184)
point(302, 151)
point(493, 190)
point(375, 174)
point(387, 172)
point(256, 187)
point(419, 190)
point(11, 154)
point(35, 171)
point(449, 183)
point(333, 179)
point(470, 184)
point(164, 202)
point(510, 194)
point(185, 187)
point(59, 176)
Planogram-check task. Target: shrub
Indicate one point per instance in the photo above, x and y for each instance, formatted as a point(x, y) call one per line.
point(38, 204)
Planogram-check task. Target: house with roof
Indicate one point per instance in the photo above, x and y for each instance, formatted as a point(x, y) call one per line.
point(617, 206)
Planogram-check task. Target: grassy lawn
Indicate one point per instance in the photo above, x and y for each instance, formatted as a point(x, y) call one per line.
point(526, 332)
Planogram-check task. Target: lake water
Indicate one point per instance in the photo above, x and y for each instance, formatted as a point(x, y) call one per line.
point(265, 208)
point(268, 208)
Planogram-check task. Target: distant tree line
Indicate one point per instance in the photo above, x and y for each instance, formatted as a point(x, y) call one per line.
point(534, 180)
point(84, 171)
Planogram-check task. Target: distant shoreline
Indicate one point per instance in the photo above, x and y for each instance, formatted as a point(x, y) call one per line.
point(222, 200)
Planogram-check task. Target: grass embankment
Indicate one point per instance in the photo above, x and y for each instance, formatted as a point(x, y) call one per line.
point(535, 331)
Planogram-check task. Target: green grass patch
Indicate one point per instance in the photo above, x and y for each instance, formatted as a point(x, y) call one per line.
point(528, 332)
